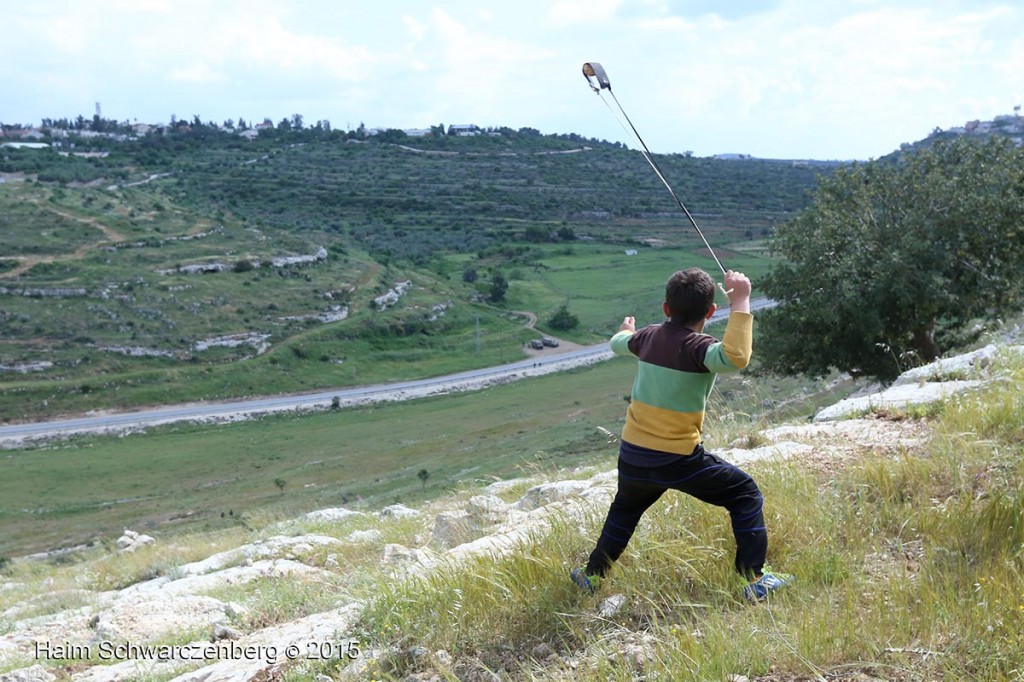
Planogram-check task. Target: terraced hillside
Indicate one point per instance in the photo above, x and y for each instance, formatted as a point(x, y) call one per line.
point(205, 266)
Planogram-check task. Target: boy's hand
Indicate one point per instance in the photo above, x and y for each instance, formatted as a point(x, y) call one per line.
point(628, 324)
point(738, 286)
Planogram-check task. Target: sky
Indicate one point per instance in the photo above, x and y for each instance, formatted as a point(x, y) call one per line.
point(793, 79)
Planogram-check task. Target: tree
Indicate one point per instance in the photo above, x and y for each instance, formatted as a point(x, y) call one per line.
point(499, 285)
point(563, 320)
point(393, 135)
point(537, 234)
point(895, 257)
point(469, 275)
point(423, 476)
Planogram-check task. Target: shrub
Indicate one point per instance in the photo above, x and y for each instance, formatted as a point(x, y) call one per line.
point(563, 320)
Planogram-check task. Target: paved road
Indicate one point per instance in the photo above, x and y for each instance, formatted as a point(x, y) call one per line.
point(401, 390)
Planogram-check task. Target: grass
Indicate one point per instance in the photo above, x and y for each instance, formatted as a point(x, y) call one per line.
point(217, 476)
point(204, 477)
point(601, 284)
point(910, 566)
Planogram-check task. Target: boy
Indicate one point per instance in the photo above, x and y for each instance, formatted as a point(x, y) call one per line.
point(661, 441)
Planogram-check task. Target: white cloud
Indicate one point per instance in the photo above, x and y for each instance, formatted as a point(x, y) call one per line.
point(141, 6)
point(478, 68)
point(417, 30)
point(68, 34)
point(197, 73)
point(581, 12)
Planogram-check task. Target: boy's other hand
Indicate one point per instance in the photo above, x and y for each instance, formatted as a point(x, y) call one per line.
point(738, 286)
point(628, 324)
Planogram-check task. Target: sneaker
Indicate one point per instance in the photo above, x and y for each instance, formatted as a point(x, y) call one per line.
point(765, 585)
point(584, 581)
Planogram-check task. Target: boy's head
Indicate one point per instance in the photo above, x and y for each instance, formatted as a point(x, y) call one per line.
point(689, 295)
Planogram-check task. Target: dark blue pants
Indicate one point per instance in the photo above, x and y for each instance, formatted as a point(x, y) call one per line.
point(701, 475)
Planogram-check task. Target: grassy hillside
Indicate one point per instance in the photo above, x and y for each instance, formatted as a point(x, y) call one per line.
point(205, 267)
point(909, 567)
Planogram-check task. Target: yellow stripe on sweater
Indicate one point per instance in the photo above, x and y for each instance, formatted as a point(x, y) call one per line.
point(664, 430)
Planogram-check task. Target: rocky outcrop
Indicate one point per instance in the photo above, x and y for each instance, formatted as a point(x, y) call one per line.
point(391, 297)
point(927, 384)
point(131, 541)
point(275, 261)
point(30, 292)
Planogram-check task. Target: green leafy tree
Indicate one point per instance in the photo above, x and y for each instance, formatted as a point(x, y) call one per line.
point(895, 258)
point(537, 234)
point(563, 320)
point(423, 476)
point(499, 285)
point(393, 135)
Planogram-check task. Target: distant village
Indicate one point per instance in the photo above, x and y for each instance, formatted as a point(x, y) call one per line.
point(65, 134)
point(1000, 124)
point(59, 133)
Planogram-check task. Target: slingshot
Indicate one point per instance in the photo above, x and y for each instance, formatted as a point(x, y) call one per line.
point(597, 79)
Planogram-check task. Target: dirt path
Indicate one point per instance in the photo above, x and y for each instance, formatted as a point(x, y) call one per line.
point(531, 318)
point(27, 262)
point(111, 234)
point(531, 323)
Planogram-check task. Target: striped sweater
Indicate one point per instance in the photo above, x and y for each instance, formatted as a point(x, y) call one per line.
point(676, 373)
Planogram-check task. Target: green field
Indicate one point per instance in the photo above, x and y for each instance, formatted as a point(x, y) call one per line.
point(602, 284)
point(198, 477)
point(188, 476)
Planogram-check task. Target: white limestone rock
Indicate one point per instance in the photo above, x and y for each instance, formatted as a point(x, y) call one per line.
point(546, 493)
point(131, 541)
point(397, 511)
point(332, 514)
point(895, 397)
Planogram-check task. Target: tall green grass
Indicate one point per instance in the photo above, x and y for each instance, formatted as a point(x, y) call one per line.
point(909, 565)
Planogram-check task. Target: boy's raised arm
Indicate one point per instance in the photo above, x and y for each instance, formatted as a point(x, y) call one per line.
point(734, 350)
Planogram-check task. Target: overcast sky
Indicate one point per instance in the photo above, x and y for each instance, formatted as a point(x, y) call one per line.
point(818, 79)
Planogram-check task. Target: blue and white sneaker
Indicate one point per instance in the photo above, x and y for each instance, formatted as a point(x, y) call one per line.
point(584, 581)
point(765, 585)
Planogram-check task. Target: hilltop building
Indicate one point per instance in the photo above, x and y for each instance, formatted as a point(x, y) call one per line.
point(464, 130)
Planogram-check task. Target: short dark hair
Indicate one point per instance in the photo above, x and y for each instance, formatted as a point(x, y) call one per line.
point(690, 294)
